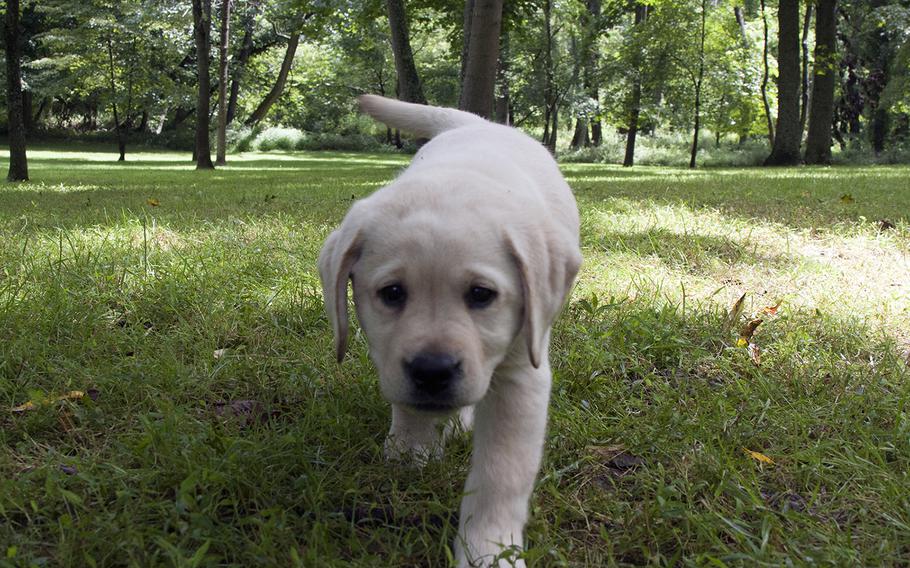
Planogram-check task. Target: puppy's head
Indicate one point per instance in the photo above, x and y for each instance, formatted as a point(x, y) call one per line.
point(443, 294)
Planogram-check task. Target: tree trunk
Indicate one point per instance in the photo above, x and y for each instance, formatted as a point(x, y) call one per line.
point(641, 16)
point(821, 117)
point(701, 74)
point(246, 48)
point(465, 43)
point(589, 78)
point(121, 145)
point(804, 91)
point(409, 88)
point(549, 90)
point(785, 151)
point(765, 76)
point(202, 30)
point(741, 21)
point(503, 100)
point(18, 162)
point(483, 53)
point(280, 82)
point(221, 144)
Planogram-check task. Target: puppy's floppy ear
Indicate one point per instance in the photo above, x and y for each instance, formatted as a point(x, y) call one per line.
point(339, 253)
point(547, 264)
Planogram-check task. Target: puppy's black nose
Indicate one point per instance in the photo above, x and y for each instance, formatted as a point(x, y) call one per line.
point(432, 373)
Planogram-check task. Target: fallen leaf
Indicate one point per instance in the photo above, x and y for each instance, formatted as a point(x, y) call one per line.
point(735, 311)
point(607, 453)
point(153, 202)
point(748, 330)
point(755, 354)
point(846, 198)
point(884, 225)
point(771, 310)
point(758, 456)
point(33, 404)
point(219, 353)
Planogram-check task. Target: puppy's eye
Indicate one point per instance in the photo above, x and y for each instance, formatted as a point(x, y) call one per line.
point(479, 297)
point(393, 295)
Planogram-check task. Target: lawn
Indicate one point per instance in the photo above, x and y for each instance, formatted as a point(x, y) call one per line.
point(216, 428)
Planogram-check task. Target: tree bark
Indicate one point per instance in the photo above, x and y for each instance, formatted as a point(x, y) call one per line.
point(278, 88)
point(409, 88)
point(18, 162)
point(202, 30)
point(804, 91)
point(765, 76)
point(821, 116)
point(121, 145)
point(741, 22)
point(588, 76)
point(483, 53)
point(221, 143)
point(549, 90)
point(701, 74)
point(641, 16)
point(503, 102)
point(465, 43)
point(785, 151)
point(246, 48)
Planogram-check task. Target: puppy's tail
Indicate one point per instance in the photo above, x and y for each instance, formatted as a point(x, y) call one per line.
point(421, 120)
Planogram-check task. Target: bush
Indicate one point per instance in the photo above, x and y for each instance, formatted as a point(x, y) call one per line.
point(291, 139)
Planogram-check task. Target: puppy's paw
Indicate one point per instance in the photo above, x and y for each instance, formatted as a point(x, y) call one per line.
point(488, 554)
point(400, 449)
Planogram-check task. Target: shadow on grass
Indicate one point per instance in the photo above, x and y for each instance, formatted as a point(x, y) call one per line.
point(688, 252)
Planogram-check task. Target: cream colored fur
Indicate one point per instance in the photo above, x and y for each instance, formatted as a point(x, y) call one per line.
point(480, 205)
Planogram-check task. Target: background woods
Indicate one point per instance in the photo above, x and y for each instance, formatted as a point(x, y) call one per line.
point(653, 81)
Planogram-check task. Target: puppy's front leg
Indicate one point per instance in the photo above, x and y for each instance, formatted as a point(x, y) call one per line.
point(413, 435)
point(509, 429)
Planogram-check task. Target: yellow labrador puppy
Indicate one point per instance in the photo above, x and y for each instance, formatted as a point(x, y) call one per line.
point(459, 267)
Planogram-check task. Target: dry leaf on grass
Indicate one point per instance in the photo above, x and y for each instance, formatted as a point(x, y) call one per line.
point(758, 456)
point(772, 310)
point(755, 354)
point(748, 330)
point(33, 404)
point(735, 312)
point(153, 202)
point(846, 198)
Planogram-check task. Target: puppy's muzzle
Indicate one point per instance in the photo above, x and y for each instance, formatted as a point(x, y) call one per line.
point(433, 375)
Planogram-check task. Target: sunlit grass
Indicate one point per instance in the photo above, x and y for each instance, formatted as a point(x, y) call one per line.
point(129, 278)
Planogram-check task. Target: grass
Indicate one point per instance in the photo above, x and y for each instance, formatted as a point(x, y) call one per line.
point(219, 430)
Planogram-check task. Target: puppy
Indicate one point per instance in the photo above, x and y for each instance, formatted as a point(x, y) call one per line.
point(459, 268)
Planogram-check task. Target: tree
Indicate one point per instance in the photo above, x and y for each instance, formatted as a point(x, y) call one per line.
point(821, 117)
point(409, 88)
point(202, 29)
point(785, 151)
point(278, 88)
point(18, 161)
point(641, 16)
point(482, 56)
point(220, 158)
point(121, 143)
point(766, 74)
point(698, 83)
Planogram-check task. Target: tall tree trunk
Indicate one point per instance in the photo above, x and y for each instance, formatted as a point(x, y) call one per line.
point(821, 116)
point(465, 44)
point(549, 89)
point(121, 145)
point(787, 137)
point(641, 16)
point(239, 66)
point(221, 144)
point(275, 93)
point(503, 99)
point(483, 53)
point(409, 88)
point(698, 81)
point(741, 22)
point(804, 89)
point(18, 162)
point(202, 30)
point(765, 76)
point(589, 78)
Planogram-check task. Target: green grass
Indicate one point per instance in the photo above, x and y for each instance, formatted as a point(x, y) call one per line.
point(653, 402)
